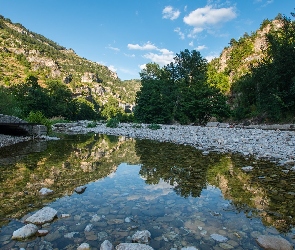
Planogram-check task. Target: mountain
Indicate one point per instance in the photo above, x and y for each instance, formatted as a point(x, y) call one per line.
point(23, 52)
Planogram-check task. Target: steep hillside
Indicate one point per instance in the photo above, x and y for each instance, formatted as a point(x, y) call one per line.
point(23, 51)
point(237, 59)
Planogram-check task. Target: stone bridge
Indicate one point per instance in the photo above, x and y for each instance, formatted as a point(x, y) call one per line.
point(11, 125)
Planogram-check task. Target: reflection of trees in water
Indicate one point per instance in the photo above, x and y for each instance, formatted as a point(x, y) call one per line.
point(65, 164)
point(267, 191)
point(179, 165)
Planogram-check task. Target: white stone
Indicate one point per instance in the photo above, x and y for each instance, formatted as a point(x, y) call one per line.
point(84, 246)
point(25, 232)
point(218, 237)
point(189, 248)
point(42, 216)
point(247, 168)
point(80, 189)
point(45, 191)
point(70, 235)
point(127, 220)
point(141, 236)
point(133, 246)
point(106, 245)
point(88, 228)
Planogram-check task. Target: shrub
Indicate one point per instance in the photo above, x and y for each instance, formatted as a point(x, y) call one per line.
point(154, 126)
point(113, 122)
point(38, 117)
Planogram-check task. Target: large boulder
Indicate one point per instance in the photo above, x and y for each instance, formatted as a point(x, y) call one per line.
point(270, 242)
point(42, 216)
point(141, 237)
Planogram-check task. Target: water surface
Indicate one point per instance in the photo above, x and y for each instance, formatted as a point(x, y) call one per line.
point(181, 196)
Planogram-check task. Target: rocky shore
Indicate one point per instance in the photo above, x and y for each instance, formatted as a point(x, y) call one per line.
point(269, 143)
point(8, 140)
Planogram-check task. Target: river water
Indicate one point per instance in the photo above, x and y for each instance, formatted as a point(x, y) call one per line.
point(184, 198)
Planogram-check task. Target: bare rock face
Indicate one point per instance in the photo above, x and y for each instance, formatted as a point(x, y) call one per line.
point(133, 246)
point(90, 77)
point(42, 216)
point(25, 232)
point(269, 242)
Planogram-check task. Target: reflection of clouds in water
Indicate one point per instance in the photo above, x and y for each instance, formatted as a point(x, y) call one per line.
point(112, 175)
point(162, 188)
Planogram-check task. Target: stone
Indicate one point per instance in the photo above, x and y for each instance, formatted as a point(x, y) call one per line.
point(84, 246)
point(88, 228)
point(218, 237)
point(270, 242)
point(42, 216)
point(80, 189)
point(106, 245)
point(247, 168)
point(133, 246)
point(46, 191)
point(42, 232)
point(25, 232)
point(141, 237)
point(189, 248)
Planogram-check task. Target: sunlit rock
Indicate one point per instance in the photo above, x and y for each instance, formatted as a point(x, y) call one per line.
point(42, 232)
point(141, 237)
point(106, 245)
point(25, 232)
point(270, 242)
point(247, 168)
point(133, 246)
point(42, 216)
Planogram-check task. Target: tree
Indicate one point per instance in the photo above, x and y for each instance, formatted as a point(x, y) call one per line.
point(179, 92)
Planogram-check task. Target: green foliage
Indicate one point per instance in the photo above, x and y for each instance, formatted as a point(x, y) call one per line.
point(179, 92)
point(38, 117)
point(154, 126)
point(84, 110)
point(268, 91)
point(91, 124)
point(8, 103)
point(113, 122)
point(111, 109)
point(217, 79)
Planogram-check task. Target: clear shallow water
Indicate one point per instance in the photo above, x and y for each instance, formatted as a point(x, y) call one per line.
point(179, 195)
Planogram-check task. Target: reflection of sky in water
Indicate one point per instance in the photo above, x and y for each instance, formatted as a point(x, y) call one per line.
point(173, 221)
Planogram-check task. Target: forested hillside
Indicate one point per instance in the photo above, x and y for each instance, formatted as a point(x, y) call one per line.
point(30, 62)
point(253, 80)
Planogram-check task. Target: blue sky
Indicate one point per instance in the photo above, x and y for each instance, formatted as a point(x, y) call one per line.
point(126, 34)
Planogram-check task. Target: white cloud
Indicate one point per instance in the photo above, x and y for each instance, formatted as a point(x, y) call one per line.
point(191, 44)
point(178, 31)
point(147, 46)
point(165, 57)
point(211, 57)
point(207, 17)
point(113, 48)
point(170, 13)
point(129, 55)
point(201, 47)
point(112, 68)
point(142, 66)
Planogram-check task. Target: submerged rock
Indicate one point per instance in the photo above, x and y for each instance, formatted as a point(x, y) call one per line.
point(25, 232)
point(84, 246)
point(269, 242)
point(133, 246)
point(106, 245)
point(42, 216)
point(219, 237)
point(141, 236)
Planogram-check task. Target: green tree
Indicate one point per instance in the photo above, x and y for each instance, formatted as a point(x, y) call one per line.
point(111, 109)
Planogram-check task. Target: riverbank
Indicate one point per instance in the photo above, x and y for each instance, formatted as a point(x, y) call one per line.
point(8, 140)
point(269, 144)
